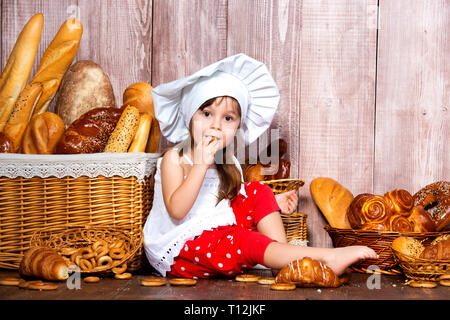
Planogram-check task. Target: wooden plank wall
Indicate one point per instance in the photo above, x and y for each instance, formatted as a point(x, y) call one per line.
point(364, 83)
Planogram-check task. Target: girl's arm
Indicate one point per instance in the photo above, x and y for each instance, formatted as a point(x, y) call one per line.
point(179, 194)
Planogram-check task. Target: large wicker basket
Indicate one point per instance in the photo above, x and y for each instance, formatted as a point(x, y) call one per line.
point(29, 204)
point(380, 242)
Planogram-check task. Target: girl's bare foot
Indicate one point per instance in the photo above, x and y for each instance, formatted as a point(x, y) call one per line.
point(341, 258)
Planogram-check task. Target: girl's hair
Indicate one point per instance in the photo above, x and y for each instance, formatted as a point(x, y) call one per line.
point(229, 175)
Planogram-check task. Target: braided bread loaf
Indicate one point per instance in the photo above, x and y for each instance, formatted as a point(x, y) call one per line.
point(307, 272)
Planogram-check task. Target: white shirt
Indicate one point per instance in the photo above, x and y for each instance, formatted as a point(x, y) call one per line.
point(164, 236)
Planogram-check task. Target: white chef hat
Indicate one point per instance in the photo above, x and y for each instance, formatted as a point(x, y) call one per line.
point(239, 76)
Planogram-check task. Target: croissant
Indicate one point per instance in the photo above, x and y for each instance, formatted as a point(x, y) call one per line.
point(307, 272)
point(368, 208)
point(43, 263)
point(400, 201)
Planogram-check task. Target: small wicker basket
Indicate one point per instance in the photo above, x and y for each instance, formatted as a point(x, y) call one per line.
point(378, 241)
point(295, 227)
point(284, 185)
point(421, 269)
point(78, 238)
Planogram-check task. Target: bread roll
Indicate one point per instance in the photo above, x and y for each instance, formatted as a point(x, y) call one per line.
point(56, 60)
point(139, 95)
point(438, 250)
point(21, 113)
point(333, 200)
point(18, 68)
point(123, 134)
point(42, 133)
point(408, 246)
point(422, 220)
point(84, 87)
point(141, 137)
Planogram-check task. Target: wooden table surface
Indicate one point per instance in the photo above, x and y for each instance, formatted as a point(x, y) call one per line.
point(360, 287)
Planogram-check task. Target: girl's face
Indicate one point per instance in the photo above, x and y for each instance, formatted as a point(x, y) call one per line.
point(221, 119)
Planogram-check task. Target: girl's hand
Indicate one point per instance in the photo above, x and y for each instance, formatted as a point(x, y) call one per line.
point(287, 201)
point(205, 151)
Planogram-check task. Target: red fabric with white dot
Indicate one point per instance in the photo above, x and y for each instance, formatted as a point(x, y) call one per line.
point(228, 250)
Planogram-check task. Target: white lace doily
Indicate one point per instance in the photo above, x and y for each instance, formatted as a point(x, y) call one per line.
point(125, 165)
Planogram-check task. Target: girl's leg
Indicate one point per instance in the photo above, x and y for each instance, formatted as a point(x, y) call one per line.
point(272, 226)
point(277, 255)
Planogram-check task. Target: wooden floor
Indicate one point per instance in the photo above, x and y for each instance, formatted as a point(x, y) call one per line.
point(390, 288)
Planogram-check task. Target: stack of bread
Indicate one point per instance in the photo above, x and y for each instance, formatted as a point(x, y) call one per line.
point(86, 117)
point(269, 171)
point(397, 210)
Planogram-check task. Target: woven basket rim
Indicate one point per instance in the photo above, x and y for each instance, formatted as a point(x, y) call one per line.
point(329, 228)
point(302, 182)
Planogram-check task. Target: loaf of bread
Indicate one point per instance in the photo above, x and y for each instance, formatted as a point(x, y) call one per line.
point(43, 263)
point(142, 133)
point(56, 60)
point(21, 113)
point(333, 201)
point(42, 134)
point(15, 76)
point(120, 139)
point(139, 95)
point(89, 133)
point(84, 87)
point(307, 272)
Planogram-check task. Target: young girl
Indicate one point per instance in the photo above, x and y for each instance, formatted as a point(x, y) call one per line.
point(205, 221)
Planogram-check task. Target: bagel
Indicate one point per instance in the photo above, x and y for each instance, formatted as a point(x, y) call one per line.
point(123, 276)
point(153, 282)
point(9, 281)
point(283, 286)
point(91, 279)
point(42, 286)
point(266, 280)
point(182, 282)
point(247, 278)
point(422, 284)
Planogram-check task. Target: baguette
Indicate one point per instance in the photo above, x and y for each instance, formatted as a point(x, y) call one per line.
point(124, 132)
point(333, 200)
point(21, 113)
point(141, 137)
point(18, 68)
point(139, 95)
point(56, 60)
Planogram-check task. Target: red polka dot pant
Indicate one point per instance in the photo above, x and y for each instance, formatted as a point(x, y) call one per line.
point(228, 250)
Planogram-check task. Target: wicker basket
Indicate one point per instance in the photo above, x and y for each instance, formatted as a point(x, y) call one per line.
point(30, 204)
point(295, 227)
point(78, 238)
point(378, 241)
point(284, 185)
point(421, 269)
